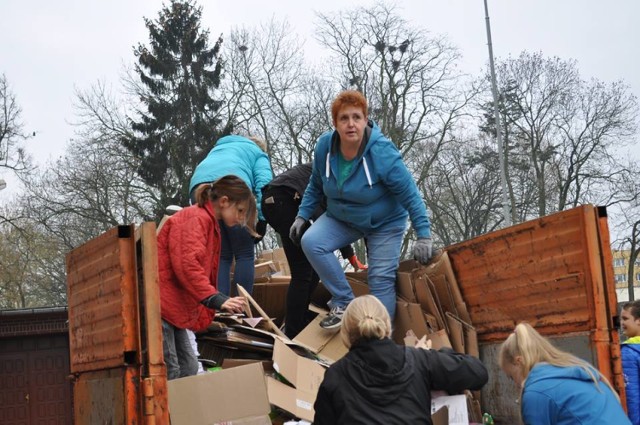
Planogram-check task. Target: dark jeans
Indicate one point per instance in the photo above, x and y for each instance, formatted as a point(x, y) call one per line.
point(179, 357)
point(237, 244)
point(280, 215)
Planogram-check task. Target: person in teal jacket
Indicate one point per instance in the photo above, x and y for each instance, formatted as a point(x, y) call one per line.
point(245, 158)
point(369, 193)
point(630, 350)
point(557, 387)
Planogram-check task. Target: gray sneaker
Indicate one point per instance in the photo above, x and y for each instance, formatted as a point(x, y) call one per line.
point(333, 319)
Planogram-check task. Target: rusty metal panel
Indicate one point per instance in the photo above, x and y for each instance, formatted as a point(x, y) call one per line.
point(155, 401)
point(102, 297)
point(107, 397)
point(539, 271)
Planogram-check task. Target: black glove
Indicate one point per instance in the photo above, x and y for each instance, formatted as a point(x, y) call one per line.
point(297, 230)
point(261, 229)
point(423, 250)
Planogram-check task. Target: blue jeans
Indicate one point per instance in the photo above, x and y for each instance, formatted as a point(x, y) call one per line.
point(383, 256)
point(179, 356)
point(236, 243)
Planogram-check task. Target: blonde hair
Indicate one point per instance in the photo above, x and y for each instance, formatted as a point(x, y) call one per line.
point(259, 141)
point(527, 343)
point(236, 190)
point(365, 318)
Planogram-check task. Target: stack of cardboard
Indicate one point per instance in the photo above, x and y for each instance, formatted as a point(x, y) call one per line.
point(429, 304)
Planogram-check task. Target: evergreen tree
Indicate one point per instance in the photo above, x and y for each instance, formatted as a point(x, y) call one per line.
point(179, 72)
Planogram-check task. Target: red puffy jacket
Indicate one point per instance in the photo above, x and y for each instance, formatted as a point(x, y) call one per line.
point(188, 257)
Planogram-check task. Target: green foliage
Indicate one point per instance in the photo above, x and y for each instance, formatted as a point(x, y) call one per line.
point(179, 73)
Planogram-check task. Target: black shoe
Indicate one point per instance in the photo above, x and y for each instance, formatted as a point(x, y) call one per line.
point(333, 319)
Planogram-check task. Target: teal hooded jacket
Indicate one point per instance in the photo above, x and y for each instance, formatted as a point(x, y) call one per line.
point(378, 193)
point(238, 156)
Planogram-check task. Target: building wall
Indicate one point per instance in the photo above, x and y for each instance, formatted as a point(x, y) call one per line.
point(620, 270)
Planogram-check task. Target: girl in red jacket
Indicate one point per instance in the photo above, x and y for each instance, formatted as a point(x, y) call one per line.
point(188, 258)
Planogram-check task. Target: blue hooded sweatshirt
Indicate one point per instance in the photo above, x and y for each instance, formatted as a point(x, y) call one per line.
point(567, 396)
point(379, 192)
point(631, 367)
point(238, 156)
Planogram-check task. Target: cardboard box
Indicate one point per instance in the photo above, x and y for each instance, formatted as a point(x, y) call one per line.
point(303, 373)
point(272, 297)
point(409, 316)
point(325, 343)
point(236, 396)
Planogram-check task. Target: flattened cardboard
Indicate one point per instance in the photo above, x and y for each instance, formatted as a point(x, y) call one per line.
point(409, 316)
point(439, 339)
point(360, 276)
point(456, 334)
point(442, 266)
point(272, 296)
point(427, 301)
point(231, 396)
point(445, 296)
point(289, 399)
point(441, 416)
point(404, 282)
point(260, 311)
point(305, 374)
point(267, 365)
point(325, 343)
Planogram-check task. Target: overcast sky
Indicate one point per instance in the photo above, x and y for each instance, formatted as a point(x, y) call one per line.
point(48, 48)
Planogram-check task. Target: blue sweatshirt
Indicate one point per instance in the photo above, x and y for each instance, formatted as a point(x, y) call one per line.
point(238, 156)
point(567, 396)
point(631, 369)
point(378, 193)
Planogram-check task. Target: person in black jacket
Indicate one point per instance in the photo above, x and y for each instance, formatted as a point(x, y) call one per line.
point(280, 201)
point(379, 382)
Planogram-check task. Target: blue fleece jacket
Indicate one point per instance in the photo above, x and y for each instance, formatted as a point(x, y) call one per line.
point(631, 369)
point(377, 193)
point(567, 396)
point(238, 156)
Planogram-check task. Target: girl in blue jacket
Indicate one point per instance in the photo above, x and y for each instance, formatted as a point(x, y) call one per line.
point(630, 321)
point(557, 387)
point(245, 158)
point(369, 193)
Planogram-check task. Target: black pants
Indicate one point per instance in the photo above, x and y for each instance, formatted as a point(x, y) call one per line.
point(280, 209)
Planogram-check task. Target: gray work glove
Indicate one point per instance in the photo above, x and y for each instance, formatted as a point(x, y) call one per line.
point(297, 230)
point(423, 250)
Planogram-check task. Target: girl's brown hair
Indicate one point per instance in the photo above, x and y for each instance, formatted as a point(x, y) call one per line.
point(365, 318)
point(348, 98)
point(236, 190)
point(527, 343)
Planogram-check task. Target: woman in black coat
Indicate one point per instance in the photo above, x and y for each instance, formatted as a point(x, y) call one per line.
point(380, 382)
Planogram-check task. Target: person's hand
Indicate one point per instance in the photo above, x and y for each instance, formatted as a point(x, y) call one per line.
point(357, 265)
point(261, 230)
point(234, 305)
point(297, 230)
point(423, 250)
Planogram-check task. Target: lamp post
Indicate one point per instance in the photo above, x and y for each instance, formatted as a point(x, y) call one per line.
point(506, 210)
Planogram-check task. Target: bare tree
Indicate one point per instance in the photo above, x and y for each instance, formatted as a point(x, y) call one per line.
point(12, 135)
point(464, 190)
point(271, 92)
point(32, 268)
point(561, 134)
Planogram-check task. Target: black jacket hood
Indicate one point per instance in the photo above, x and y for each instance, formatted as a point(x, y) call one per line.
point(380, 370)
